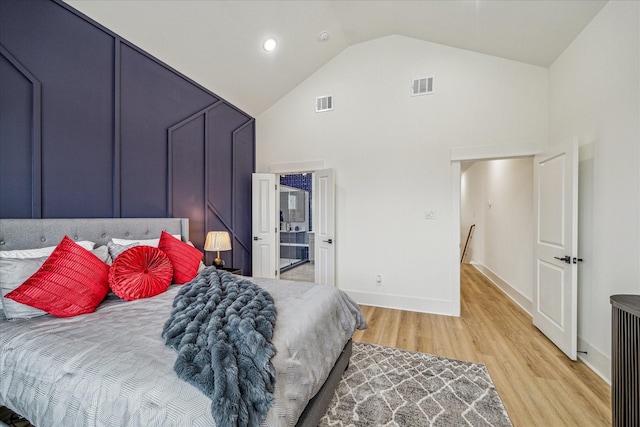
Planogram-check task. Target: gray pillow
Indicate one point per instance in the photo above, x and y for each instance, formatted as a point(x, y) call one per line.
point(102, 252)
point(116, 249)
point(13, 273)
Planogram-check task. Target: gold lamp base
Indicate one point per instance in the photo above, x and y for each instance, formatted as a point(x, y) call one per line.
point(218, 262)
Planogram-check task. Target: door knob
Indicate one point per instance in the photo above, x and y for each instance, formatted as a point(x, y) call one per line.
point(257, 238)
point(565, 258)
point(330, 241)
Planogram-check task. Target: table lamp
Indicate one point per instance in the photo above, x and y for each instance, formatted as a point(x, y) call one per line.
point(217, 241)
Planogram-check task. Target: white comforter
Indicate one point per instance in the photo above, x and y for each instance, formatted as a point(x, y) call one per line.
point(111, 367)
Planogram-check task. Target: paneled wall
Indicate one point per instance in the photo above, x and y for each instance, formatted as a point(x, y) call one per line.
point(91, 126)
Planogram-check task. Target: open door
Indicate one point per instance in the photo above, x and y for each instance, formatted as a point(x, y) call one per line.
point(556, 283)
point(324, 226)
point(265, 232)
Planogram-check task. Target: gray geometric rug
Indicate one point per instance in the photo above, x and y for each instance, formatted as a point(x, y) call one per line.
point(390, 387)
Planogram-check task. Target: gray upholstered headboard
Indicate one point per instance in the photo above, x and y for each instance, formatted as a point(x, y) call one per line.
point(37, 233)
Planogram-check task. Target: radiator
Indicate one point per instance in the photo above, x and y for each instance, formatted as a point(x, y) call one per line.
point(625, 382)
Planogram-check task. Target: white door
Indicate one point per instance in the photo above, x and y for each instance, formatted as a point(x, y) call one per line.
point(324, 226)
point(265, 232)
point(555, 289)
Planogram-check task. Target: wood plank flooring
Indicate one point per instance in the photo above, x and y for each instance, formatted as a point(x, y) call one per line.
point(538, 384)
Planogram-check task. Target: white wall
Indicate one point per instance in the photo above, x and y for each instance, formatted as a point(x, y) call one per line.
point(594, 93)
point(497, 196)
point(391, 154)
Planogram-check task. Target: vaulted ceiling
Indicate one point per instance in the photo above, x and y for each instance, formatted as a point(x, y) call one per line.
point(219, 43)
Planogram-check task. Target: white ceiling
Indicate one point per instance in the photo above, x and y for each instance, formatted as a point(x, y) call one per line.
point(219, 43)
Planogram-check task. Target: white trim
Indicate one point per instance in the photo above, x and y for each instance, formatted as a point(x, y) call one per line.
point(498, 151)
point(401, 302)
point(525, 303)
point(597, 361)
point(456, 177)
point(310, 166)
point(482, 152)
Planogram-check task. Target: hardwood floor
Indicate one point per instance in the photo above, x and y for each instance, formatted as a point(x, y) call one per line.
point(538, 384)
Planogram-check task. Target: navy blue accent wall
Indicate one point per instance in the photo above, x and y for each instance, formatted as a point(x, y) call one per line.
point(92, 126)
point(301, 181)
point(19, 99)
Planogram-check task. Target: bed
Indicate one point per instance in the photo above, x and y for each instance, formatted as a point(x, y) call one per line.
point(111, 367)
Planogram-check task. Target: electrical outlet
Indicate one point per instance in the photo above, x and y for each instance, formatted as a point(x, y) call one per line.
point(379, 280)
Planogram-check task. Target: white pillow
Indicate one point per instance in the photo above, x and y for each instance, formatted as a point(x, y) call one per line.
point(40, 252)
point(13, 273)
point(143, 242)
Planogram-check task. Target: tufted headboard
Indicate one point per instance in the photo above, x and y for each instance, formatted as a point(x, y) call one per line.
point(37, 233)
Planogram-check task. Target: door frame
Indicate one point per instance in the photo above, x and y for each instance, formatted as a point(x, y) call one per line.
point(297, 168)
point(479, 153)
point(490, 153)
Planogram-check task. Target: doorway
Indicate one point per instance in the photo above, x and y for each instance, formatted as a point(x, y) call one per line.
point(496, 196)
point(552, 296)
point(459, 156)
point(296, 250)
point(266, 224)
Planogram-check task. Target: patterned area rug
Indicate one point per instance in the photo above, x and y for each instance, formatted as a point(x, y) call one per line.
point(389, 387)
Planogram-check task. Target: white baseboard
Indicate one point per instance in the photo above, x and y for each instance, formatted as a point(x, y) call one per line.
point(595, 360)
point(399, 302)
point(513, 293)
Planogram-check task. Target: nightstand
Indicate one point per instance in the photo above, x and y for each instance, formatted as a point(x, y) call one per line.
point(232, 270)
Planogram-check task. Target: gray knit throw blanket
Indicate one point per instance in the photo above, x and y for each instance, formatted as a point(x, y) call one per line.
point(221, 325)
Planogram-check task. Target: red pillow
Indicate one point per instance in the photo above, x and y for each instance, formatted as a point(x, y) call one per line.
point(140, 272)
point(184, 257)
point(70, 282)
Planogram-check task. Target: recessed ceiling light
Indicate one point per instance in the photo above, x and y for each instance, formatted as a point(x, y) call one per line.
point(269, 44)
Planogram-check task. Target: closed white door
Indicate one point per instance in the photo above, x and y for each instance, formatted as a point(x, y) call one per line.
point(264, 248)
point(556, 283)
point(324, 226)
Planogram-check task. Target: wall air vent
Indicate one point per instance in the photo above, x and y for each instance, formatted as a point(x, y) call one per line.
point(422, 86)
point(324, 103)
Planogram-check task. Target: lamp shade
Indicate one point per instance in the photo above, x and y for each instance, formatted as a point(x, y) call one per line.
point(217, 241)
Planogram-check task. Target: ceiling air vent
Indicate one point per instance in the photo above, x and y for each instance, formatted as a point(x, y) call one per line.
point(324, 103)
point(422, 86)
